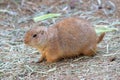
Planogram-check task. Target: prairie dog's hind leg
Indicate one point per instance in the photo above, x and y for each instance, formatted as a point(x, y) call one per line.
point(90, 52)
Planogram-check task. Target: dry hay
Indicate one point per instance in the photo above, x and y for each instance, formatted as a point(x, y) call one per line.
point(15, 58)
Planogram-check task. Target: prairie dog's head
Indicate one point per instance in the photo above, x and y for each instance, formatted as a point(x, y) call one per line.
point(36, 37)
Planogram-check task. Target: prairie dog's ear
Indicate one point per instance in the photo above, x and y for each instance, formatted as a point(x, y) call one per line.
point(43, 30)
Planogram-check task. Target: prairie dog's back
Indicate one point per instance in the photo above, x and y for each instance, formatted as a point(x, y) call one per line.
point(75, 35)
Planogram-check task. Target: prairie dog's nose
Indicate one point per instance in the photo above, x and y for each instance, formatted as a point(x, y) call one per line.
point(26, 41)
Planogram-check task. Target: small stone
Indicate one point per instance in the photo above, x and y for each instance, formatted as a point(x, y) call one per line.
point(112, 59)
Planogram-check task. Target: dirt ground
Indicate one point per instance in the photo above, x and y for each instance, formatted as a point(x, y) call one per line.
point(16, 58)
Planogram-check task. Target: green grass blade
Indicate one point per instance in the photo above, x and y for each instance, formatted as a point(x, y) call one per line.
point(104, 28)
point(46, 16)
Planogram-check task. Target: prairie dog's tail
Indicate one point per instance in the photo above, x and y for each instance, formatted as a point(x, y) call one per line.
point(100, 38)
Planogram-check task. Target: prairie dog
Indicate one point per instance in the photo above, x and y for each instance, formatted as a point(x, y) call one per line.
point(67, 38)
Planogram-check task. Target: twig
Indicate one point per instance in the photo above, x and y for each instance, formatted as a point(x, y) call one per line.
point(117, 52)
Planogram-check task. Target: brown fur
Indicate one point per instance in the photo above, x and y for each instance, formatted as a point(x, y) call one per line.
point(68, 38)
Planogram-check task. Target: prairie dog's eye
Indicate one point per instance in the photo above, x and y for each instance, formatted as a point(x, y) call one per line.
point(34, 35)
